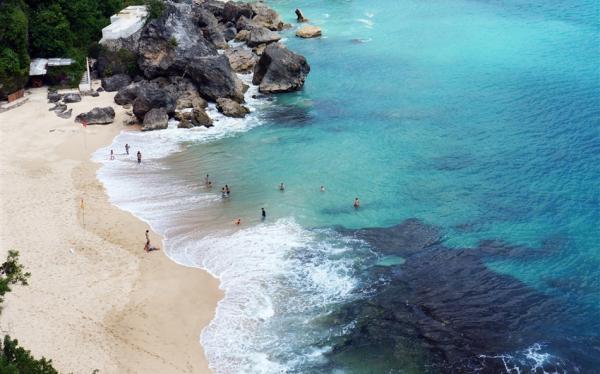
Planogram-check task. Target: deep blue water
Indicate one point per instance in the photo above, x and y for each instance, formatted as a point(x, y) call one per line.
point(476, 120)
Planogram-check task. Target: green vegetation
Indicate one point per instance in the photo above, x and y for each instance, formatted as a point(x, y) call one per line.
point(54, 28)
point(15, 359)
point(14, 54)
point(155, 9)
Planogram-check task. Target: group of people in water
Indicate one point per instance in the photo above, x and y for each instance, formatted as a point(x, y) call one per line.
point(226, 191)
point(127, 147)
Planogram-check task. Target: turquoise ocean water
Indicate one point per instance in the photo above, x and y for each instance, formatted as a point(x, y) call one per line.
point(479, 119)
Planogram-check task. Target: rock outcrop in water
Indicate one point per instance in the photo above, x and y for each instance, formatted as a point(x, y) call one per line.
point(179, 64)
point(280, 70)
point(442, 308)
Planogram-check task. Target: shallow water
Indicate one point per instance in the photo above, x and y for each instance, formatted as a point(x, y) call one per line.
point(480, 119)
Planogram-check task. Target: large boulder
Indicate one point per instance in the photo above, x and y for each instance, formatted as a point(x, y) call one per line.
point(262, 35)
point(231, 108)
point(280, 70)
point(200, 118)
point(309, 31)
point(194, 118)
point(97, 116)
point(71, 98)
point(115, 82)
point(127, 94)
point(149, 97)
point(155, 119)
point(241, 60)
point(266, 17)
point(214, 78)
point(245, 23)
point(233, 10)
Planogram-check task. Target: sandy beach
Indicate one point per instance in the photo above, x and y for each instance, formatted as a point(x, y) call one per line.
point(95, 299)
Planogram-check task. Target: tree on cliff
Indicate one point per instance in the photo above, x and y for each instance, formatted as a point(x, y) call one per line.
point(14, 54)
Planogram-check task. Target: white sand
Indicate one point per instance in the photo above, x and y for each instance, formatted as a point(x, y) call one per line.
point(96, 300)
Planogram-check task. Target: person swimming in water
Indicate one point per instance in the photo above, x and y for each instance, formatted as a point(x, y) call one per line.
point(223, 193)
point(206, 179)
point(227, 190)
point(281, 187)
point(356, 203)
point(322, 188)
point(238, 221)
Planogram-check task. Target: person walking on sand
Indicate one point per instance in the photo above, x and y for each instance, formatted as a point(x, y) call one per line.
point(127, 148)
point(281, 187)
point(112, 154)
point(263, 213)
point(139, 157)
point(356, 203)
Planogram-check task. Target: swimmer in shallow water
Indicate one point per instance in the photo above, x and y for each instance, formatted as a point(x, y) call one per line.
point(238, 221)
point(356, 203)
point(281, 187)
point(322, 188)
point(263, 213)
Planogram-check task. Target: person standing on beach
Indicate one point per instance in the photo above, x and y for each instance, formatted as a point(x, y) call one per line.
point(356, 203)
point(139, 157)
point(126, 148)
point(281, 187)
point(112, 155)
point(147, 246)
point(263, 213)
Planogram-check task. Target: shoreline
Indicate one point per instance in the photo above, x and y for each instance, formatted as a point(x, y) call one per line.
point(96, 300)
